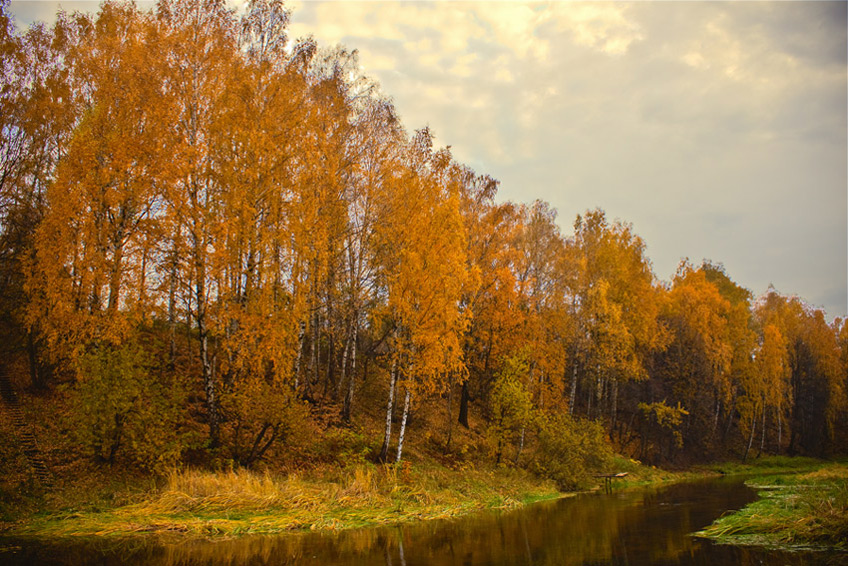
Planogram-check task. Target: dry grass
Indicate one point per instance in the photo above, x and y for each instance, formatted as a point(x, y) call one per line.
point(239, 502)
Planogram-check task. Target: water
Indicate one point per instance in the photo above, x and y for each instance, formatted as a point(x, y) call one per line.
point(648, 527)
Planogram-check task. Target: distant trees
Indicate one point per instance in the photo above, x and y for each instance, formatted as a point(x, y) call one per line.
point(211, 234)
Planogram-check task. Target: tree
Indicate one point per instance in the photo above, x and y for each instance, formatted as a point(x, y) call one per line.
point(539, 281)
point(615, 307)
point(492, 296)
point(200, 44)
point(420, 247)
point(93, 245)
point(768, 387)
point(39, 112)
point(695, 369)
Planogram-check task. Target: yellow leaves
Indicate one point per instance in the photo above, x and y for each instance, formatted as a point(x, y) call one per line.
point(666, 418)
point(704, 313)
point(423, 264)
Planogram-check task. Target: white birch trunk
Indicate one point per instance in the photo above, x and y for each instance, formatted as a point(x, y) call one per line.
point(403, 426)
point(384, 453)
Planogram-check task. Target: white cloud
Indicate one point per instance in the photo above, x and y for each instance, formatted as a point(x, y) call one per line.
point(599, 25)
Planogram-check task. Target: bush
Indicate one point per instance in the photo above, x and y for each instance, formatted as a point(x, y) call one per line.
point(511, 407)
point(570, 451)
point(346, 447)
point(124, 409)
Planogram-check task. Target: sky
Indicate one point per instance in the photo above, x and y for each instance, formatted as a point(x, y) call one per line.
point(719, 130)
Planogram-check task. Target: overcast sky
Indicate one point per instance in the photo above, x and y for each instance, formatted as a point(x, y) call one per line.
point(717, 129)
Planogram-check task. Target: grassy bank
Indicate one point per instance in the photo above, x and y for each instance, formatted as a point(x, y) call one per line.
point(801, 508)
point(241, 502)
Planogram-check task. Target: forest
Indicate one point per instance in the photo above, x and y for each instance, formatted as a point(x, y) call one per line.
point(220, 246)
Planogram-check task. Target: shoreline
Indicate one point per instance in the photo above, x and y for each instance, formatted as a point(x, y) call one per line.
point(203, 504)
point(800, 509)
point(197, 504)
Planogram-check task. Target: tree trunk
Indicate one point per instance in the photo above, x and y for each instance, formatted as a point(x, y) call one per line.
point(301, 346)
point(520, 444)
point(763, 439)
point(730, 412)
point(614, 401)
point(259, 448)
point(316, 351)
point(450, 410)
point(573, 396)
point(343, 369)
point(115, 276)
point(351, 382)
point(463, 405)
point(500, 440)
point(172, 304)
point(208, 376)
point(116, 438)
point(715, 415)
point(384, 452)
point(330, 376)
point(750, 439)
point(35, 374)
point(402, 433)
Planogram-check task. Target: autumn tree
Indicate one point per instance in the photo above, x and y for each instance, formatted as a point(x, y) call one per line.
point(14, 231)
point(492, 297)
point(695, 369)
point(94, 244)
point(421, 253)
point(813, 391)
point(38, 115)
point(615, 308)
point(254, 142)
point(200, 39)
point(539, 279)
point(767, 388)
point(125, 409)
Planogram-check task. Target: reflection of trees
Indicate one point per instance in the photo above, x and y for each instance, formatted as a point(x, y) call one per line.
point(644, 527)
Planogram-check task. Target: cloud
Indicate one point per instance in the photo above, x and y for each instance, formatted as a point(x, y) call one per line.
point(603, 26)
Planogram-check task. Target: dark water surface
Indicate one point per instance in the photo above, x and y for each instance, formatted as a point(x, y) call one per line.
point(649, 527)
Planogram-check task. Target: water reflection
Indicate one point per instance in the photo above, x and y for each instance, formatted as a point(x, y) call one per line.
point(648, 527)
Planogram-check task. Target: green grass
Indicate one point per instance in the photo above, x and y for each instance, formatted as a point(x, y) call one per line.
point(194, 503)
point(768, 465)
point(807, 508)
point(640, 475)
point(197, 503)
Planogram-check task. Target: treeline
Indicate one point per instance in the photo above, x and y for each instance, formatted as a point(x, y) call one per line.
point(210, 232)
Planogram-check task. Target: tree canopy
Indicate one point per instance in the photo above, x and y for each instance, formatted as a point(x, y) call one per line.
point(214, 236)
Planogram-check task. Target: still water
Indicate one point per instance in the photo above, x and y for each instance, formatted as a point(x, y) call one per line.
point(648, 527)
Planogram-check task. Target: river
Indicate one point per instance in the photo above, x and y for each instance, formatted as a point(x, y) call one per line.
point(627, 528)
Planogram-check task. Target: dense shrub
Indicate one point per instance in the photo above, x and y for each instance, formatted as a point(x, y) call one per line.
point(127, 410)
point(571, 450)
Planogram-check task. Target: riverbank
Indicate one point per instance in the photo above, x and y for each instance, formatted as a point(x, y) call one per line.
point(801, 508)
point(232, 503)
point(193, 503)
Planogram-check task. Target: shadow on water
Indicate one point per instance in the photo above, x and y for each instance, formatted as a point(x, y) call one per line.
point(644, 527)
